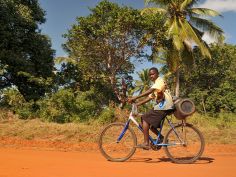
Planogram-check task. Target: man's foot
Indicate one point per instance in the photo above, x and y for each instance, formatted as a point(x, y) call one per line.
point(143, 146)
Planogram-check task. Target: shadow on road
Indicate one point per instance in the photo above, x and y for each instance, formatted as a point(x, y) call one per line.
point(201, 160)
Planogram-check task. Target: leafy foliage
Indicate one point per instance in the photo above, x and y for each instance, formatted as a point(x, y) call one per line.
point(212, 82)
point(63, 106)
point(144, 82)
point(107, 116)
point(67, 106)
point(102, 44)
point(12, 99)
point(71, 76)
point(185, 27)
point(26, 57)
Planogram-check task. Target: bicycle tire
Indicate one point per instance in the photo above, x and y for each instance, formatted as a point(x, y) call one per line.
point(117, 152)
point(194, 147)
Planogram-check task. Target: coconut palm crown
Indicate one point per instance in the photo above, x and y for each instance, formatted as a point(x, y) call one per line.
point(144, 82)
point(185, 26)
point(185, 23)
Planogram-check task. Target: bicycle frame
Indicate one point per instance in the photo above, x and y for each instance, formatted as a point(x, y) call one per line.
point(154, 141)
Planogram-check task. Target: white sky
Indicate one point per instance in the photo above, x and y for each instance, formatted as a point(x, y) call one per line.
point(220, 5)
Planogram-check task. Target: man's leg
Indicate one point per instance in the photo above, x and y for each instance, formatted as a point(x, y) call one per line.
point(146, 127)
point(154, 130)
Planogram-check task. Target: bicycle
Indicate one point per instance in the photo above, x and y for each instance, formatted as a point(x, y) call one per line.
point(183, 143)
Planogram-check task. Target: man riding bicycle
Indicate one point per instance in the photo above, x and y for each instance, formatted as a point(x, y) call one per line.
point(161, 95)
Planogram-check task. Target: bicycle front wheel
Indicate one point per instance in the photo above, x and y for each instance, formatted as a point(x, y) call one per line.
point(185, 144)
point(117, 143)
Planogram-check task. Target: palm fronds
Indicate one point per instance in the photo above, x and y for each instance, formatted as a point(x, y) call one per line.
point(206, 25)
point(204, 12)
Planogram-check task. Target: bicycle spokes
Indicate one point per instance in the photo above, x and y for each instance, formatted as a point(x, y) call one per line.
point(115, 150)
point(189, 148)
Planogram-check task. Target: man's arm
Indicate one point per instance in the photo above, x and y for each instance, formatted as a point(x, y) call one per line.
point(144, 101)
point(149, 91)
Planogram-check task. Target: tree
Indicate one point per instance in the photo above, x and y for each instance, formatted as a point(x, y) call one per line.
point(71, 76)
point(26, 57)
point(104, 43)
point(185, 27)
point(143, 84)
point(212, 82)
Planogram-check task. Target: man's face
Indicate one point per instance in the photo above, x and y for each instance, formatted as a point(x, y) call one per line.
point(153, 75)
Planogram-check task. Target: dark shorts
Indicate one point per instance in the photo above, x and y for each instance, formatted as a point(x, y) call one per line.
point(154, 117)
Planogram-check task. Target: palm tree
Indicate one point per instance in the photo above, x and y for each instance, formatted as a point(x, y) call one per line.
point(143, 84)
point(185, 28)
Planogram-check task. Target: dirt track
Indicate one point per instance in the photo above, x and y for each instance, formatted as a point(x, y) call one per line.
point(217, 161)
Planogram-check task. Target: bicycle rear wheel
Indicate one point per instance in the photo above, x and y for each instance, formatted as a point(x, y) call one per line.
point(112, 148)
point(185, 144)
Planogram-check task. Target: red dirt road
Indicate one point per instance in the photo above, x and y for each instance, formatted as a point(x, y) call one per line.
point(217, 161)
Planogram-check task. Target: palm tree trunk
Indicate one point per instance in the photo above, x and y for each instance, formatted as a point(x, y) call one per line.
point(177, 83)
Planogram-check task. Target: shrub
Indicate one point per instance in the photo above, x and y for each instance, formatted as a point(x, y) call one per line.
point(13, 100)
point(107, 116)
point(67, 106)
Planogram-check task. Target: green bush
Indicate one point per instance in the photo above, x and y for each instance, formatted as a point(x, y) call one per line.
point(107, 116)
point(63, 106)
point(27, 110)
point(13, 100)
point(67, 106)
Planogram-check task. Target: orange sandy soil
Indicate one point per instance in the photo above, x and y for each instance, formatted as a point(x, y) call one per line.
point(31, 158)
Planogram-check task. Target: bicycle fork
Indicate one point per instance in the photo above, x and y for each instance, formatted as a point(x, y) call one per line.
point(123, 131)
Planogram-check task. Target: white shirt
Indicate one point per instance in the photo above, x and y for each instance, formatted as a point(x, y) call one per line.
point(160, 86)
